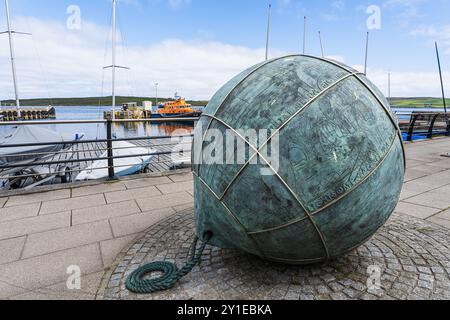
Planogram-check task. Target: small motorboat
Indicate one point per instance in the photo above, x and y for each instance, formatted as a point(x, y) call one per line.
point(122, 166)
point(23, 135)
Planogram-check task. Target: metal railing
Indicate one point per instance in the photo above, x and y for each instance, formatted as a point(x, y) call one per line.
point(414, 126)
point(17, 171)
point(423, 125)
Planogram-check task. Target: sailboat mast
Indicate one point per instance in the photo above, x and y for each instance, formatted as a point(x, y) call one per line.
point(13, 62)
point(321, 44)
point(367, 54)
point(113, 68)
point(268, 32)
point(304, 34)
point(442, 81)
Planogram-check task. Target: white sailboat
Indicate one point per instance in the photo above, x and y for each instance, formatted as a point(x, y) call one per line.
point(22, 135)
point(122, 166)
point(10, 33)
point(27, 134)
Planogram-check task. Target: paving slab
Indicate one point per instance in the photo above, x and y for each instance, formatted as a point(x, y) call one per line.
point(444, 163)
point(66, 238)
point(414, 188)
point(414, 163)
point(435, 180)
point(17, 228)
point(97, 189)
point(132, 194)
point(7, 290)
point(424, 156)
point(164, 201)
point(442, 222)
point(80, 216)
point(415, 210)
point(11, 249)
point(413, 174)
point(444, 215)
point(183, 207)
point(49, 207)
point(176, 187)
point(3, 201)
point(438, 198)
point(182, 177)
point(422, 171)
point(38, 197)
point(111, 248)
point(146, 182)
point(139, 222)
point(19, 212)
point(87, 291)
point(49, 269)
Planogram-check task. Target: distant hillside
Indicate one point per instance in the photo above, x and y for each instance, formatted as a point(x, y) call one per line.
point(420, 102)
point(92, 101)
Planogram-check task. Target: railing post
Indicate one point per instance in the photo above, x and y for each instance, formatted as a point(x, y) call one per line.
point(430, 130)
point(447, 120)
point(109, 146)
point(411, 126)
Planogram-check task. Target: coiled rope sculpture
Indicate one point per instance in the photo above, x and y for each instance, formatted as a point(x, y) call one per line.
point(137, 283)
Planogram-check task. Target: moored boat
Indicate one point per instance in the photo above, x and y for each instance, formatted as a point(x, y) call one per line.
point(122, 166)
point(178, 108)
point(26, 135)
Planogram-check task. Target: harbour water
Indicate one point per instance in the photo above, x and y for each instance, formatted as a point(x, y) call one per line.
point(405, 113)
point(98, 131)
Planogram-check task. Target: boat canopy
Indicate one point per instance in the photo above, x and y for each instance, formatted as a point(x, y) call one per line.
point(29, 135)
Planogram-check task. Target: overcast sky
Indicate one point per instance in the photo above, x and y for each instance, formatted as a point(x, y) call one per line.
point(195, 46)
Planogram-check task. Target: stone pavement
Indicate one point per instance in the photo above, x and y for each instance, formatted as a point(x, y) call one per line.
point(408, 254)
point(44, 233)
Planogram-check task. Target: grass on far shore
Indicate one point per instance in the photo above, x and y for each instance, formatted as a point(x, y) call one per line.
point(419, 102)
point(105, 101)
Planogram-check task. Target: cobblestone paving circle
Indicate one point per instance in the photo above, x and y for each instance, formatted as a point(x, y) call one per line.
point(413, 258)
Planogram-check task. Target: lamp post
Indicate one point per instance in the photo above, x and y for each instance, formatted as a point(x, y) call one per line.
point(156, 87)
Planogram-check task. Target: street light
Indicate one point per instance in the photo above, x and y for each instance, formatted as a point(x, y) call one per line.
point(156, 86)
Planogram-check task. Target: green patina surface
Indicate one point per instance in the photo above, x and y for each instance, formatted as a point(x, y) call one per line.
point(340, 167)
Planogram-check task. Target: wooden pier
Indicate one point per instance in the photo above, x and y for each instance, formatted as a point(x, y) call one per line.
point(66, 172)
point(11, 114)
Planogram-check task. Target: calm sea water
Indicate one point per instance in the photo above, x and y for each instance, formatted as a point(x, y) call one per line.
point(98, 131)
point(405, 113)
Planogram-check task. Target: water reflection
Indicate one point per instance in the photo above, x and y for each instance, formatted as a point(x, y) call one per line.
point(134, 129)
point(98, 131)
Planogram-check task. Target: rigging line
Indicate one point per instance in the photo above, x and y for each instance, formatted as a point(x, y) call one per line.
point(126, 52)
point(44, 75)
point(99, 103)
point(121, 45)
point(100, 99)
